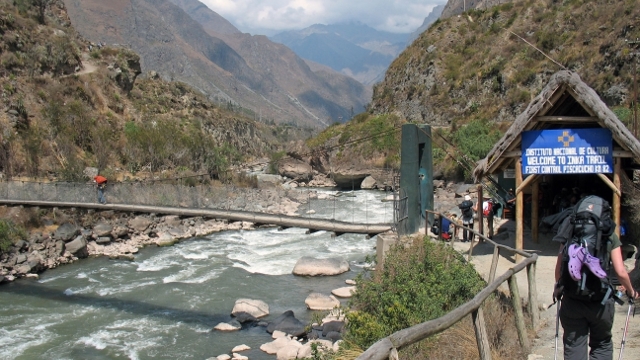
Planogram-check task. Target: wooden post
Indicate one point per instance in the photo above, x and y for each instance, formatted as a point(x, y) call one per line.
point(534, 211)
point(616, 195)
point(533, 295)
point(480, 212)
point(482, 339)
point(519, 211)
point(494, 264)
point(517, 311)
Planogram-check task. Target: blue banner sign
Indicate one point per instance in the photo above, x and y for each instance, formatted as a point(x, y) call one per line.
point(568, 151)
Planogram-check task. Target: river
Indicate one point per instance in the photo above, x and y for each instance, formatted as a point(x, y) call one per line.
point(164, 304)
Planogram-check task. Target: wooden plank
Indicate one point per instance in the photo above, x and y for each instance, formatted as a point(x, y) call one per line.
point(565, 119)
point(533, 296)
point(534, 211)
point(494, 263)
point(514, 153)
point(519, 210)
point(480, 213)
point(610, 183)
point(484, 349)
point(517, 311)
point(617, 195)
point(531, 178)
point(622, 154)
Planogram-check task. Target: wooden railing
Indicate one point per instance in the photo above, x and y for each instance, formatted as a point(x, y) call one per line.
point(387, 348)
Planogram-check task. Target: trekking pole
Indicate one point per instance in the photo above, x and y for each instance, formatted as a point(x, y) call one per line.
point(555, 354)
point(626, 327)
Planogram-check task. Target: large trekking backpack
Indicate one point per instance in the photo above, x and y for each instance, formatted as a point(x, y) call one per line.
point(586, 268)
point(466, 209)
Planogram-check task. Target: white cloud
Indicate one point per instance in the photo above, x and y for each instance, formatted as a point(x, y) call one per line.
point(272, 16)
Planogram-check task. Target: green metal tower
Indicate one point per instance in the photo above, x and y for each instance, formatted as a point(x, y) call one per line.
point(416, 175)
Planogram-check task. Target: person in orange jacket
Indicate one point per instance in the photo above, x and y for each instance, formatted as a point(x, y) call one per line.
point(101, 182)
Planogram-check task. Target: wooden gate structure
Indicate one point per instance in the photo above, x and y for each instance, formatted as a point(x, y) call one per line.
point(566, 102)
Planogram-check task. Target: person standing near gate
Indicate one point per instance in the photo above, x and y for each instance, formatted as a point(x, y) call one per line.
point(101, 183)
point(466, 207)
point(487, 213)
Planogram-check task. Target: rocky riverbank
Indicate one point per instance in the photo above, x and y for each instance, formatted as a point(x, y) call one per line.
point(60, 236)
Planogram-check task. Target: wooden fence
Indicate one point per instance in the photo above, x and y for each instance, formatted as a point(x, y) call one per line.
point(388, 347)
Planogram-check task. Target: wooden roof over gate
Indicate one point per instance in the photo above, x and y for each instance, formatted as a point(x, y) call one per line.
point(565, 102)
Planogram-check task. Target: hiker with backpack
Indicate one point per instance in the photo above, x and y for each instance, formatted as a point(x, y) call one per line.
point(101, 183)
point(466, 207)
point(487, 213)
point(589, 257)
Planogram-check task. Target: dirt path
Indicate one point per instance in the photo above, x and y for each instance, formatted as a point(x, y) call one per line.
point(544, 345)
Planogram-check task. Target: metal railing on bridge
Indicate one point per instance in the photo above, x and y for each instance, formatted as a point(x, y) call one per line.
point(311, 203)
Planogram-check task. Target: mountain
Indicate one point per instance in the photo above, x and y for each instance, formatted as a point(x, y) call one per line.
point(266, 80)
point(489, 64)
point(353, 48)
point(430, 19)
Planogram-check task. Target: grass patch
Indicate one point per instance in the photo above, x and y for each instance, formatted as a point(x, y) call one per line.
point(9, 234)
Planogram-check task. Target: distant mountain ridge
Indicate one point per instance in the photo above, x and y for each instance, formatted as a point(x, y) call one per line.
point(209, 19)
point(433, 16)
point(207, 52)
point(353, 48)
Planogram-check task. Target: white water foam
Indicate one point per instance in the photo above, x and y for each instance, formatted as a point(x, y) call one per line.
point(123, 288)
point(22, 332)
point(130, 337)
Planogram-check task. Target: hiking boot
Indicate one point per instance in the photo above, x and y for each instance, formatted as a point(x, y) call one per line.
point(576, 258)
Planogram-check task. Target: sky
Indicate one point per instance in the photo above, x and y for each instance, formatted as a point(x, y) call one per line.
point(269, 17)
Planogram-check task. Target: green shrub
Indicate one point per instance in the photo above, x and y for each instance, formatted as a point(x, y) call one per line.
point(416, 284)
point(624, 114)
point(477, 138)
point(9, 234)
point(273, 161)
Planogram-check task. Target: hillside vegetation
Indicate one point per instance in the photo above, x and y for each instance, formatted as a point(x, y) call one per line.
point(68, 104)
point(478, 65)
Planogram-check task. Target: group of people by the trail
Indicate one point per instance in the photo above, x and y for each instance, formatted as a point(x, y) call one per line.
point(450, 225)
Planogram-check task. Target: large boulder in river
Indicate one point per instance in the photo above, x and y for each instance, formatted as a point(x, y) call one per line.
point(368, 183)
point(349, 175)
point(78, 247)
point(309, 266)
point(257, 308)
point(232, 325)
point(344, 292)
point(295, 169)
point(275, 345)
point(287, 323)
point(317, 301)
